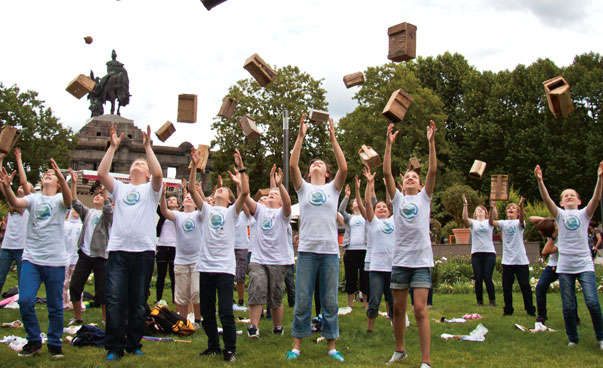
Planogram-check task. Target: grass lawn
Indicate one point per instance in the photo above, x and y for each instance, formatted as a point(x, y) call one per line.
point(505, 346)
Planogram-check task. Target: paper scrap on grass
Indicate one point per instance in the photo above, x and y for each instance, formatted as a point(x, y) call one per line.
point(236, 307)
point(344, 310)
point(538, 327)
point(13, 324)
point(221, 331)
point(243, 320)
point(477, 335)
point(451, 320)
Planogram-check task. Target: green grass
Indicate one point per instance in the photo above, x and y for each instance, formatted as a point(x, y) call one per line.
point(505, 346)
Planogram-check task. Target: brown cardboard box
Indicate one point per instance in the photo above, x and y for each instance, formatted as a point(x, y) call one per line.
point(415, 165)
point(477, 169)
point(166, 130)
point(353, 79)
point(369, 157)
point(319, 116)
point(80, 86)
point(209, 4)
point(259, 70)
point(228, 106)
point(8, 137)
point(204, 149)
point(397, 106)
point(402, 42)
point(558, 96)
point(499, 188)
point(249, 128)
point(187, 108)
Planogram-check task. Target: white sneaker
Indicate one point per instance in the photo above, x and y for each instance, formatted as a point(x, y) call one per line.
point(570, 344)
point(397, 356)
point(424, 365)
point(601, 345)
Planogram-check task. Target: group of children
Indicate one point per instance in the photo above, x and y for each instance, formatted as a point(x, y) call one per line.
point(388, 249)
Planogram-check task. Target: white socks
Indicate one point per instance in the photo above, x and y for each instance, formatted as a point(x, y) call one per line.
point(332, 352)
point(296, 351)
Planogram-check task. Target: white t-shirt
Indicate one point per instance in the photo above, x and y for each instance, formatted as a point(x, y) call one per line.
point(73, 227)
point(481, 237)
point(45, 242)
point(252, 234)
point(167, 237)
point(291, 252)
point(272, 247)
point(134, 217)
point(514, 251)
point(92, 219)
point(357, 233)
point(241, 238)
point(318, 218)
point(217, 251)
point(411, 218)
point(381, 240)
point(553, 259)
point(574, 253)
point(14, 235)
point(188, 237)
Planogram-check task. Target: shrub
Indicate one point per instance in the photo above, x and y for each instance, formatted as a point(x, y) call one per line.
point(453, 203)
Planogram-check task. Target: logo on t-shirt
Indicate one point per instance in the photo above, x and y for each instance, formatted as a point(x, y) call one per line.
point(572, 222)
point(132, 198)
point(409, 211)
point(188, 225)
point(510, 231)
point(44, 211)
point(358, 222)
point(216, 221)
point(481, 228)
point(386, 227)
point(95, 220)
point(267, 223)
point(318, 197)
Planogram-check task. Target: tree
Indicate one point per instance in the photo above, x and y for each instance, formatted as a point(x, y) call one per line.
point(291, 90)
point(42, 135)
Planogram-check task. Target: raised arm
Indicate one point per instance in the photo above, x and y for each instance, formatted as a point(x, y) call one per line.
point(244, 193)
point(466, 211)
point(343, 206)
point(522, 214)
point(390, 183)
point(164, 208)
point(594, 201)
point(368, 191)
point(342, 165)
point(27, 187)
point(430, 180)
point(154, 166)
point(359, 199)
point(103, 168)
point(75, 204)
point(192, 180)
point(73, 184)
point(8, 191)
point(493, 214)
point(62, 184)
point(278, 179)
point(272, 178)
point(296, 176)
point(544, 194)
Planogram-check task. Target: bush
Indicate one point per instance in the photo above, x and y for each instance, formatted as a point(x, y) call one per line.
point(447, 229)
point(453, 203)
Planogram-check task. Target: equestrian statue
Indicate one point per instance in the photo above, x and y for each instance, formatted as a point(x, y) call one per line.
point(113, 86)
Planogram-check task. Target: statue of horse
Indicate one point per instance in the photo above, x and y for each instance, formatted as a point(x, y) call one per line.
point(116, 86)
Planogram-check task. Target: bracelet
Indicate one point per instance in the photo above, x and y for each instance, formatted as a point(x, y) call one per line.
point(243, 170)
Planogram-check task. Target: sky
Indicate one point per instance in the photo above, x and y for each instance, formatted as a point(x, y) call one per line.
point(177, 46)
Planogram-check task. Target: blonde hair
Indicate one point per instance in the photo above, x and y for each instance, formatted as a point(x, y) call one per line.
point(482, 207)
point(565, 190)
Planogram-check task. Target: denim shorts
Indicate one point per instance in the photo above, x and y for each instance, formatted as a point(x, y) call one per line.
point(406, 277)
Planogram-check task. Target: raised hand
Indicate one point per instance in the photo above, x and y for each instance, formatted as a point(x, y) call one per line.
point(464, 199)
point(195, 157)
point(331, 129)
point(303, 126)
point(236, 177)
point(220, 181)
point(73, 175)
point(238, 160)
point(17, 151)
point(600, 171)
point(538, 172)
point(431, 130)
point(146, 137)
point(522, 201)
point(10, 177)
point(391, 135)
point(115, 141)
point(55, 167)
point(278, 177)
point(370, 177)
point(357, 183)
point(348, 191)
point(4, 177)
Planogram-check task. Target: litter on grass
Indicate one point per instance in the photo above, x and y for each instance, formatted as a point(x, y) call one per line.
point(221, 331)
point(13, 324)
point(240, 308)
point(17, 343)
point(451, 320)
point(477, 335)
point(243, 320)
point(538, 327)
point(344, 311)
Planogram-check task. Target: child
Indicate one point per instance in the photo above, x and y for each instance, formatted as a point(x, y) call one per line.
point(318, 252)
point(515, 262)
point(73, 227)
point(574, 256)
point(483, 254)
point(131, 246)
point(412, 255)
point(91, 249)
point(44, 257)
point(216, 262)
point(241, 249)
point(166, 248)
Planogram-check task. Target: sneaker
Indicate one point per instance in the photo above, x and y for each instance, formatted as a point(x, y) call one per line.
point(210, 352)
point(30, 349)
point(398, 355)
point(136, 352)
point(55, 352)
point(424, 365)
point(278, 330)
point(570, 344)
point(253, 331)
point(75, 322)
point(230, 356)
point(601, 345)
point(113, 356)
point(337, 356)
point(291, 355)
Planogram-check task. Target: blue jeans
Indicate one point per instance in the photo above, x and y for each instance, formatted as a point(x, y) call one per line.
point(32, 277)
point(7, 256)
point(567, 283)
point(326, 266)
point(379, 285)
point(127, 274)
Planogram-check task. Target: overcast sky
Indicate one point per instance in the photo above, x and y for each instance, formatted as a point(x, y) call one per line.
point(177, 46)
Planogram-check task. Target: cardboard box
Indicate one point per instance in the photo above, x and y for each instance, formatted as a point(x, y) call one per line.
point(402, 42)
point(80, 86)
point(558, 96)
point(228, 106)
point(353, 79)
point(259, 70)
point(369, 157)
point(166, 130)
point(187, 108)
point(204, 149)
point(8, 137)
point(477, 169)
point(319, 116)
point(415, 165)
point(248, 126)
point(499, 188)
point(397, 106)
point(209, 4)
